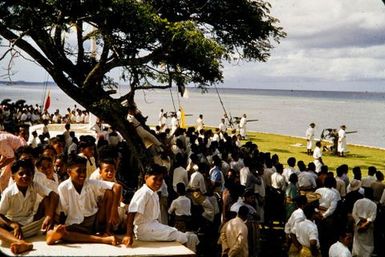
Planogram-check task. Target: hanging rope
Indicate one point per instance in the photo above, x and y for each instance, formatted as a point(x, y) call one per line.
point(227, 116)
point(172, 98)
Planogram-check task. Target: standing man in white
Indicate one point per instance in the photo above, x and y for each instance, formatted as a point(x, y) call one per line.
point(317, 155)
point(242, 126)
point(199, 123)
point(341, 141)
point(310, 138)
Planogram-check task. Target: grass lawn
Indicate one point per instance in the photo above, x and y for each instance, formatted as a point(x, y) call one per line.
point(287, 146)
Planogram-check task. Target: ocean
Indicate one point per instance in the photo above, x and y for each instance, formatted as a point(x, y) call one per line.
point(286, 112)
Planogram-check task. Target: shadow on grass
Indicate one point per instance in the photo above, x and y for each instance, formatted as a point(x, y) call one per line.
point(357, 156)
point(256, 139)
point(280, 150)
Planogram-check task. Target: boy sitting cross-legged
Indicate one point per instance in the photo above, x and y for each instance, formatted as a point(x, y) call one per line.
point(79, 199)
point(144, 211)
point(18, 220)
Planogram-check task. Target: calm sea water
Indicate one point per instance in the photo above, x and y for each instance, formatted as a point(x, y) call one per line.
point(278, 111)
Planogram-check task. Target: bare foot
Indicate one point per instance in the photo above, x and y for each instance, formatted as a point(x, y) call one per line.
point(21, 247)
point(111, 240)
point(55, 234)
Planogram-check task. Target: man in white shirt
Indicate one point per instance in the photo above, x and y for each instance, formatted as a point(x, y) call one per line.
point(199, 123)
point(327, 206)
point(341, 247)
point(222, 126)
point(277, 180)
point(367, 181)
point(297, 216)
point(310, 138)
point(364, 214)
point(341, 141)
point(306, 234)
point(290, 169)
point(180, 173)
point(242, 126)
point(317, 155)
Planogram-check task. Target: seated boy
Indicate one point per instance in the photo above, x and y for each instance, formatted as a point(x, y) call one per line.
point(18, 220)
point(79, 199)
point(107, 171)
point(144, 211)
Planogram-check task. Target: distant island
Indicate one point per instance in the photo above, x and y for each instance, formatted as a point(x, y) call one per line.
point(23, 82)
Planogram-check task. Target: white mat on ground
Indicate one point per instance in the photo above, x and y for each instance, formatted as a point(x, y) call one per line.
point(140, 248)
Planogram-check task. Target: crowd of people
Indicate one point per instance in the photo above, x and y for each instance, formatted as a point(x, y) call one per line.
point(206, 189)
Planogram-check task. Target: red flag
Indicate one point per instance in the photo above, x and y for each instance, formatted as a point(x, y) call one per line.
point(47, 101)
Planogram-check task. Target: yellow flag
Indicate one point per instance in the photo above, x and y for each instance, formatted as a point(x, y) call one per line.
point(182, 118)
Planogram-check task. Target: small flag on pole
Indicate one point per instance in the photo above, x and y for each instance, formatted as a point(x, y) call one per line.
point(47, 102)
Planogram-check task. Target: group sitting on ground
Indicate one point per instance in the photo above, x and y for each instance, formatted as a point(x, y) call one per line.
point(199, 192)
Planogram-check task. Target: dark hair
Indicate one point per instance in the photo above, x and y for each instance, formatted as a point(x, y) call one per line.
point(26, 164)
point(379, 176)
point(243, 211)
point(75, 159)
point(308, 210)
point(291, 161)
point(85, 144)
point(330, 182)
point(293, 178)
point(340, 171)
point(156, 170)
point(180, 188)
point(106, 161)
point(372, 170)
point(41, 159)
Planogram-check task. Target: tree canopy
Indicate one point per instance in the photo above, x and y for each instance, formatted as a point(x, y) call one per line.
point(152, 43)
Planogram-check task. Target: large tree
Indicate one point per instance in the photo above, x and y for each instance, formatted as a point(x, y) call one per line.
point(152, 43)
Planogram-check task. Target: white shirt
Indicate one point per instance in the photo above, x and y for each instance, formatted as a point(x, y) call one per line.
point(317, 154)
point(145, 203)
point(305, 231)
point(310, 133)
point(328, 200)
point(78, 206)
point(306, 179)
point(19, 208)
point(278, 181)
point(180, 176)
point(295, 217)
point(287, 172)
point(243, 173)
point(364, 208)
point(222, 127)
point(42, 179)
point(199, 124)
point(368, 181)
point(197, 181)
point(338, 249)
point(181, 206)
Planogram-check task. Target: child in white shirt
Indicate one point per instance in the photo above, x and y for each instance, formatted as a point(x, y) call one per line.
point(144, 212)
point(181, 206)
point(79, 199)
point(18, 218)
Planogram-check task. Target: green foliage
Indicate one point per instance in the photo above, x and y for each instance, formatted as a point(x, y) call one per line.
point(153, 43)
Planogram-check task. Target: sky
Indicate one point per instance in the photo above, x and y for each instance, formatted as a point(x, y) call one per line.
point(330, 45)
